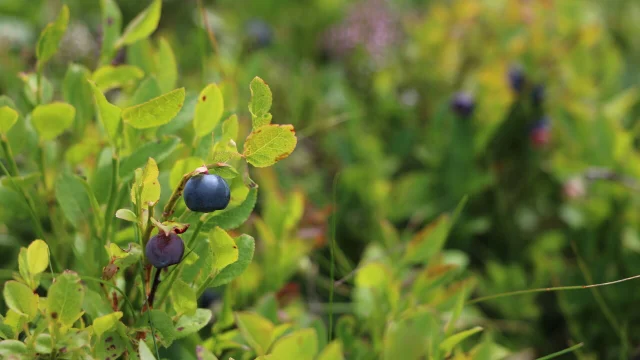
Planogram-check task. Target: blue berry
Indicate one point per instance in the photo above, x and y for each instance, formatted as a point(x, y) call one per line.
point(164, 250)
point(463, 104)
point(259, 33)
point(516, 78)
point(206, 193)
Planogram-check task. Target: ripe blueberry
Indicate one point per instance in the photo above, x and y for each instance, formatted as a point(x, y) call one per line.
point(463, 104)
point(206, 193)
point(164, 250)
point(516, 78)
point(541, 132)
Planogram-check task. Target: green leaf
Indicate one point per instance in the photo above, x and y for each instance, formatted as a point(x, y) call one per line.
point(106, 322)
point(50, 37)
point(224, 249)
point(75, 199)
point(21, 299)
point(256, 330)
point(31, 88)
point(10, 348)
point(230, 128)
point(300, 345)
point(209, 110)
point(269, 144)
point(155, 112)
point(411, 336)
point(162, 324)
point(158, 150)
point(449, 343)
point(183, 298)
point(77, 92)
point(246, 248)
point(110, 346)
point(64, 299)
point(234, 217)
point(333, 351)
point(182, 167)
point(111, 77)
point(203, 354)
point(184, 117)
point(124, 258)
point(44, 344)
point(147, 90)
point(224, 170)
point(142, 25)
point(37, 257)
point(166, 65)
point(111, 27)
point(126, 215)
point(260, 103)
point(108, 114)
point(52, 119)
point(8, 118)
point(429, 241)
point(190, 324)
point(144, 352)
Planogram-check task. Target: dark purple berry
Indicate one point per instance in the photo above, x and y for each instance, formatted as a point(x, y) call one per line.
point(164, 250)
point(537, 95)
point(206, 193)
point(463, 104)
point(516, 78)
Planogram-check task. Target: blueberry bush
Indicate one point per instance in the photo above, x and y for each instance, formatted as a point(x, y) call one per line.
point(325, 179)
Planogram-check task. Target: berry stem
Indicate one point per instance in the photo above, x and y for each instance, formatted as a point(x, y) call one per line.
point(154, 288)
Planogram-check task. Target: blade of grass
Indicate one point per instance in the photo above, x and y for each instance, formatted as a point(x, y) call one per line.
point(562, 352)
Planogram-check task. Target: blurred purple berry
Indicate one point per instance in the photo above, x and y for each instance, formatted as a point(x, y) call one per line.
point(259, 33)
point(463, 104)
point(516, 78)
point(537, 95)
point(540, 133)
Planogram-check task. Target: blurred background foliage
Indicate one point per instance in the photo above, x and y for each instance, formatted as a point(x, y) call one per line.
point(403, 108)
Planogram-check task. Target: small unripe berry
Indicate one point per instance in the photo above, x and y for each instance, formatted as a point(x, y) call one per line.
point(164, 250)
point(463, 104)
point(206, 193)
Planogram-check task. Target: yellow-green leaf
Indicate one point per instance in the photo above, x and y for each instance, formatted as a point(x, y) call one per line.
point(269, 144)
point(155, 112)
point(111, 77)
point(147, 186)
point(183, 298)
point(50, 37)
point(189, 324)
point(108, 114)
point(52, 119)
point(64, 299)
point(142, 25)
point(8, 118)
point(111, 27)
point(333, 351)
point(208, 110)
point(246, 245)
point(260, 103)
point(37, 257)
point(144, 352)
point(429, 241)
point(166, 66)
point(449, 343)
point(256, 330)
point(21, 299)
point(106, 322)
point(223, 248)
point(300, 345)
